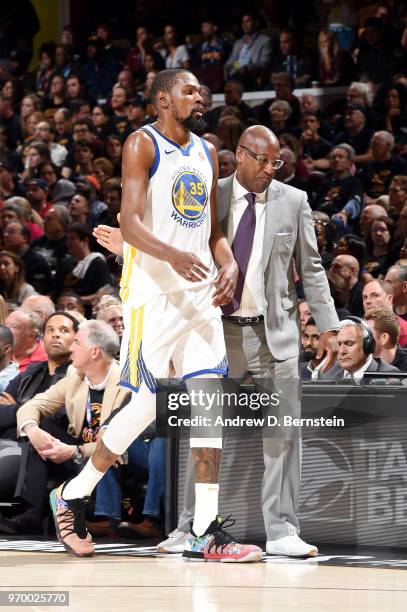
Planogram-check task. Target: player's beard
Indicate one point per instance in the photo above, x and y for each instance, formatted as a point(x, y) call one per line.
point(194, 124)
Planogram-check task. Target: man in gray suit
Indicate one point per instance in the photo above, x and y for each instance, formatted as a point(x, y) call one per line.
point(356, 345)
point(251, 54)
point(261, 324)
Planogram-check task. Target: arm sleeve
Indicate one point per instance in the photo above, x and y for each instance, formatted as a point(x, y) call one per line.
point(43, 404)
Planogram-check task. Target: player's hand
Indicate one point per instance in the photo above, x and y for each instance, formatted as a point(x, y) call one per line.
point(225, 284)
point(187, 265)
point(110, 238)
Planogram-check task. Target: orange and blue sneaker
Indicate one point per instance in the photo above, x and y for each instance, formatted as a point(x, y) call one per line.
point(70, 525)
point(216, 544)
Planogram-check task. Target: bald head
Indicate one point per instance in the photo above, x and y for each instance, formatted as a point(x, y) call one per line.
point(369, 214)
point(42, 305)
point(350, 261)
point(344, 271)
point(258, 134)
point(252, 173)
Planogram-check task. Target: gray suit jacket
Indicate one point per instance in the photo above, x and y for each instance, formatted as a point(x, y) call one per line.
point(336, 372)
point(260, 52)
point(289, 237)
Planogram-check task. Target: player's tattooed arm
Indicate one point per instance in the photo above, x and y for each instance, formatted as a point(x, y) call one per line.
point(103, 458)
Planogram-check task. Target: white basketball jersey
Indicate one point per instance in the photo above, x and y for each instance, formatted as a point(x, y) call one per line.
point(177, 213)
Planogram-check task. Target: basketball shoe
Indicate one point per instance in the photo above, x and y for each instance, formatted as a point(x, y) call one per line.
point(175, 543)
point(70, 525)
point(216, 544)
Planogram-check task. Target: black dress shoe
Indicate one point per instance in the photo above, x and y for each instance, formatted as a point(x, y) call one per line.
point(28, 523)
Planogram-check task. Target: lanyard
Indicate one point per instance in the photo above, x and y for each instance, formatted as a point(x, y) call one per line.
point(89, 412)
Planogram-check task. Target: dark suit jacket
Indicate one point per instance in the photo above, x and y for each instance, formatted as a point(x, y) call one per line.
point(336, 372)
point(305, 374)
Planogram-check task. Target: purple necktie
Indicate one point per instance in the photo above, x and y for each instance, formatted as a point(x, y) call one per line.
point(242, 247)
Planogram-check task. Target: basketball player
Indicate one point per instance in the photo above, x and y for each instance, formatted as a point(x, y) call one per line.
point(171, 293)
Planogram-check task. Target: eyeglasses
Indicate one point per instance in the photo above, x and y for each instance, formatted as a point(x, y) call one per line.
point(262, 160)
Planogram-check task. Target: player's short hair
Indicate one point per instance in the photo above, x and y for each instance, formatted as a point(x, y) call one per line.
point(165, 81)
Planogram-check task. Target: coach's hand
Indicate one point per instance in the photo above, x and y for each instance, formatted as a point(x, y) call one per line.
point(329, 345)
point(110, 238)
point(187, 265)
point(225, 284)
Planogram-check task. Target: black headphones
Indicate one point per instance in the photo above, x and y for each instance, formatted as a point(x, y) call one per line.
point(369, 343)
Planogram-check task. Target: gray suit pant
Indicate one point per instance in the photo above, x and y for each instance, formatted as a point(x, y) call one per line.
point(248, 352)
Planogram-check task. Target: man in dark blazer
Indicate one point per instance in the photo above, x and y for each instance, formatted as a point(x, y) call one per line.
point(262, 330)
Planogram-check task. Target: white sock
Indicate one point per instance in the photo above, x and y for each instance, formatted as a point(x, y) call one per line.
point(84, 483)
point(120, 433)
point(131, 421)
point(206, 506)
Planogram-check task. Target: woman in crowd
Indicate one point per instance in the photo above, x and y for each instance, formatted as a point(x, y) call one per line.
point(29, 104)
point(29, 125)
point(13, 286)
point(103, 121)
point(37, 154)
point(350, 244)
point(49, 173)
point(56, 98)
point(382, 251)
point(13, 88)
point(102, 170)
point(391, 104)
point(280, 112)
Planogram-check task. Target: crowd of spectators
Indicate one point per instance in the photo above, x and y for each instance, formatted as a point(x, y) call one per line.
point(62, 129)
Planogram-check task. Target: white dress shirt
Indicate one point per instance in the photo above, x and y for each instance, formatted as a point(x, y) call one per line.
point(315, 371)
point(251, 304)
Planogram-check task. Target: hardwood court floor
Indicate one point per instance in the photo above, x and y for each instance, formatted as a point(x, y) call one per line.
point(107, 583)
